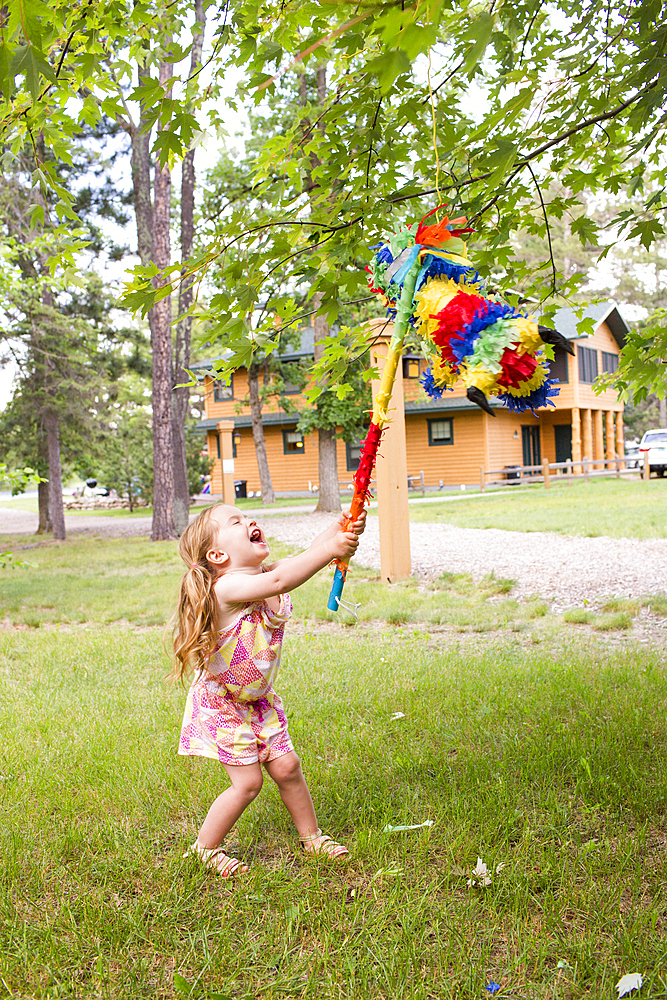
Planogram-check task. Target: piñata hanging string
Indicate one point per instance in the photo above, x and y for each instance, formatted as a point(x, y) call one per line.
point(435, 136)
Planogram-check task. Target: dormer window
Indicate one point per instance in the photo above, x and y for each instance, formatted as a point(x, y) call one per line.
point(222, 392)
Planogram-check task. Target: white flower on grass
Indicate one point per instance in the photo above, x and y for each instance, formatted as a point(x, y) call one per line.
point(481, 875)
point(631, 981)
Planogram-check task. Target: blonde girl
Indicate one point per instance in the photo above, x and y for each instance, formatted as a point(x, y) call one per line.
point(229, 626)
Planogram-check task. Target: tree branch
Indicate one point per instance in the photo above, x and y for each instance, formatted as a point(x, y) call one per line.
point(546, 223)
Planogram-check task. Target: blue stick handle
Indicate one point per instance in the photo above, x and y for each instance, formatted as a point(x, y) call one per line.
point(336, 590)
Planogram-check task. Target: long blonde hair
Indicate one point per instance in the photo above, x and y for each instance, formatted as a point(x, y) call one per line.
point(195, 621)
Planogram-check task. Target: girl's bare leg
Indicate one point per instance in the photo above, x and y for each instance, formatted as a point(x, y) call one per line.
point(288, 776)
point(246, 782)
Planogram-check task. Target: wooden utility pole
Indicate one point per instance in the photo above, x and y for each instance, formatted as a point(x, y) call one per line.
point(391, 471)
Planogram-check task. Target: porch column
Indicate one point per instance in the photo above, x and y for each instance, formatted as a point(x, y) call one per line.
point(216, 468)
point(587, 434)
point(225, 429)
point(599, 438)
point(576, 438)
point(609, 423)
point(620, 440)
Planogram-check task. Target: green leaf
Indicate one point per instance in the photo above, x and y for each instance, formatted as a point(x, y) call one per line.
point(6, 82)
point(182, 985)
point(418, 38)
point(30, 63)
point(480, 32)
point(387, 67)
point(648, 231)
point(500, 161)
point(28, 12)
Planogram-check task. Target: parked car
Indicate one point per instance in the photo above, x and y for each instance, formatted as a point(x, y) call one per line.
point(655, 443)
point(633, 459)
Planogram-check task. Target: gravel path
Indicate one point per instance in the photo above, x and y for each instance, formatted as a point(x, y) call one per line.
point(565, 569)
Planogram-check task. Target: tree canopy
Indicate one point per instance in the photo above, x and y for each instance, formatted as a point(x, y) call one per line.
point(504, 111)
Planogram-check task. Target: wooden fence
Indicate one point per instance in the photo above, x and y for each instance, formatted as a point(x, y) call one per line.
point(515, 475)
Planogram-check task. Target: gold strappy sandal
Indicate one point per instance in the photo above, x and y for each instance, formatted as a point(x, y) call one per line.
point(319, 844)
point(217, 859)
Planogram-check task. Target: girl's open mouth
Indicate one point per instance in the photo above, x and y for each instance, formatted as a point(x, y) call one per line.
point(256, 535)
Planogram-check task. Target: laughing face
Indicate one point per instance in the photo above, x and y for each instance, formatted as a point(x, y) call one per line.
point(239, 544)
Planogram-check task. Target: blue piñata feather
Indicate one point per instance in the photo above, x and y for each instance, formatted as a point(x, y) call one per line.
point(536, 400)
point(431, 389)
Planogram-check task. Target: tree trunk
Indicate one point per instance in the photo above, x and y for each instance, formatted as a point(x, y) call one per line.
point(181, 396)
point(268, 495)
point(328, 471)
point(55, 476)
point(45, 523)
point(329, 493)
point(329, 496)
point(159, 319)
point(663, 412)
point(153, 244)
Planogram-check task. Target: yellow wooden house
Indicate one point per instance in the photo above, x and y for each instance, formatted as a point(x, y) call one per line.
point(447, 439)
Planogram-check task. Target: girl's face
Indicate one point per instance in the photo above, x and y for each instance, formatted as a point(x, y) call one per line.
point(239, 544)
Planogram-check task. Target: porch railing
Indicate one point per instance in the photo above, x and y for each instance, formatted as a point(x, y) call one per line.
point(543, 473)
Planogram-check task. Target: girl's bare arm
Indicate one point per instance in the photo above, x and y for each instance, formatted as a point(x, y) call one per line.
point(232, 589)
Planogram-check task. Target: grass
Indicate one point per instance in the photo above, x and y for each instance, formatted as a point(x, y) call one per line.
point(553, 763)
point(617, 508)
point(528, 740)
point(133, 582)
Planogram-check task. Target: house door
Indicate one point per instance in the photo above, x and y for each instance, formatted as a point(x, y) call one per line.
point(563, 435)
point(532, 450)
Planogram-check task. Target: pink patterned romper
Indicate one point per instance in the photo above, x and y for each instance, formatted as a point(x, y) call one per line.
point(232, 712)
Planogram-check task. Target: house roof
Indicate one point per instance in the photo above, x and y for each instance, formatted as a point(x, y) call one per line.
point(304, 349)
point(565, 320)
point(447, 403)
point(282, 419)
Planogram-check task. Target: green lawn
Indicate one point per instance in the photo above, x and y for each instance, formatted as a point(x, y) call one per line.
point(618, 508)
point(537, 745)
point(133, 581)
point(551, 765)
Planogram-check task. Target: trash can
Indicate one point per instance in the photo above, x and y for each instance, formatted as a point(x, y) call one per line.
point(240, 488)
point(512, 473)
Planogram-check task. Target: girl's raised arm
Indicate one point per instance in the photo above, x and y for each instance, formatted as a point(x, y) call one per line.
point(236, 588)
point(330, 532)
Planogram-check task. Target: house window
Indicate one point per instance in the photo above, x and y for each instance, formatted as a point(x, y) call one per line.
point(440, 431)
point(411, 364)
point(558, 367)
point(588, 364)
point(222, 392)
point(292, 443)
point(291, 388)
point(352, 454)
point(609, 362)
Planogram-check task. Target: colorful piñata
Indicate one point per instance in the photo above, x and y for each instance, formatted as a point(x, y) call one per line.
point(425, 278)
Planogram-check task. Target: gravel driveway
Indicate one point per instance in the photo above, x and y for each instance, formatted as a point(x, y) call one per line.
point(562, 568)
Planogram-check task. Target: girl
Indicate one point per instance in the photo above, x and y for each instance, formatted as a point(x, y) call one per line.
point(229, 627)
